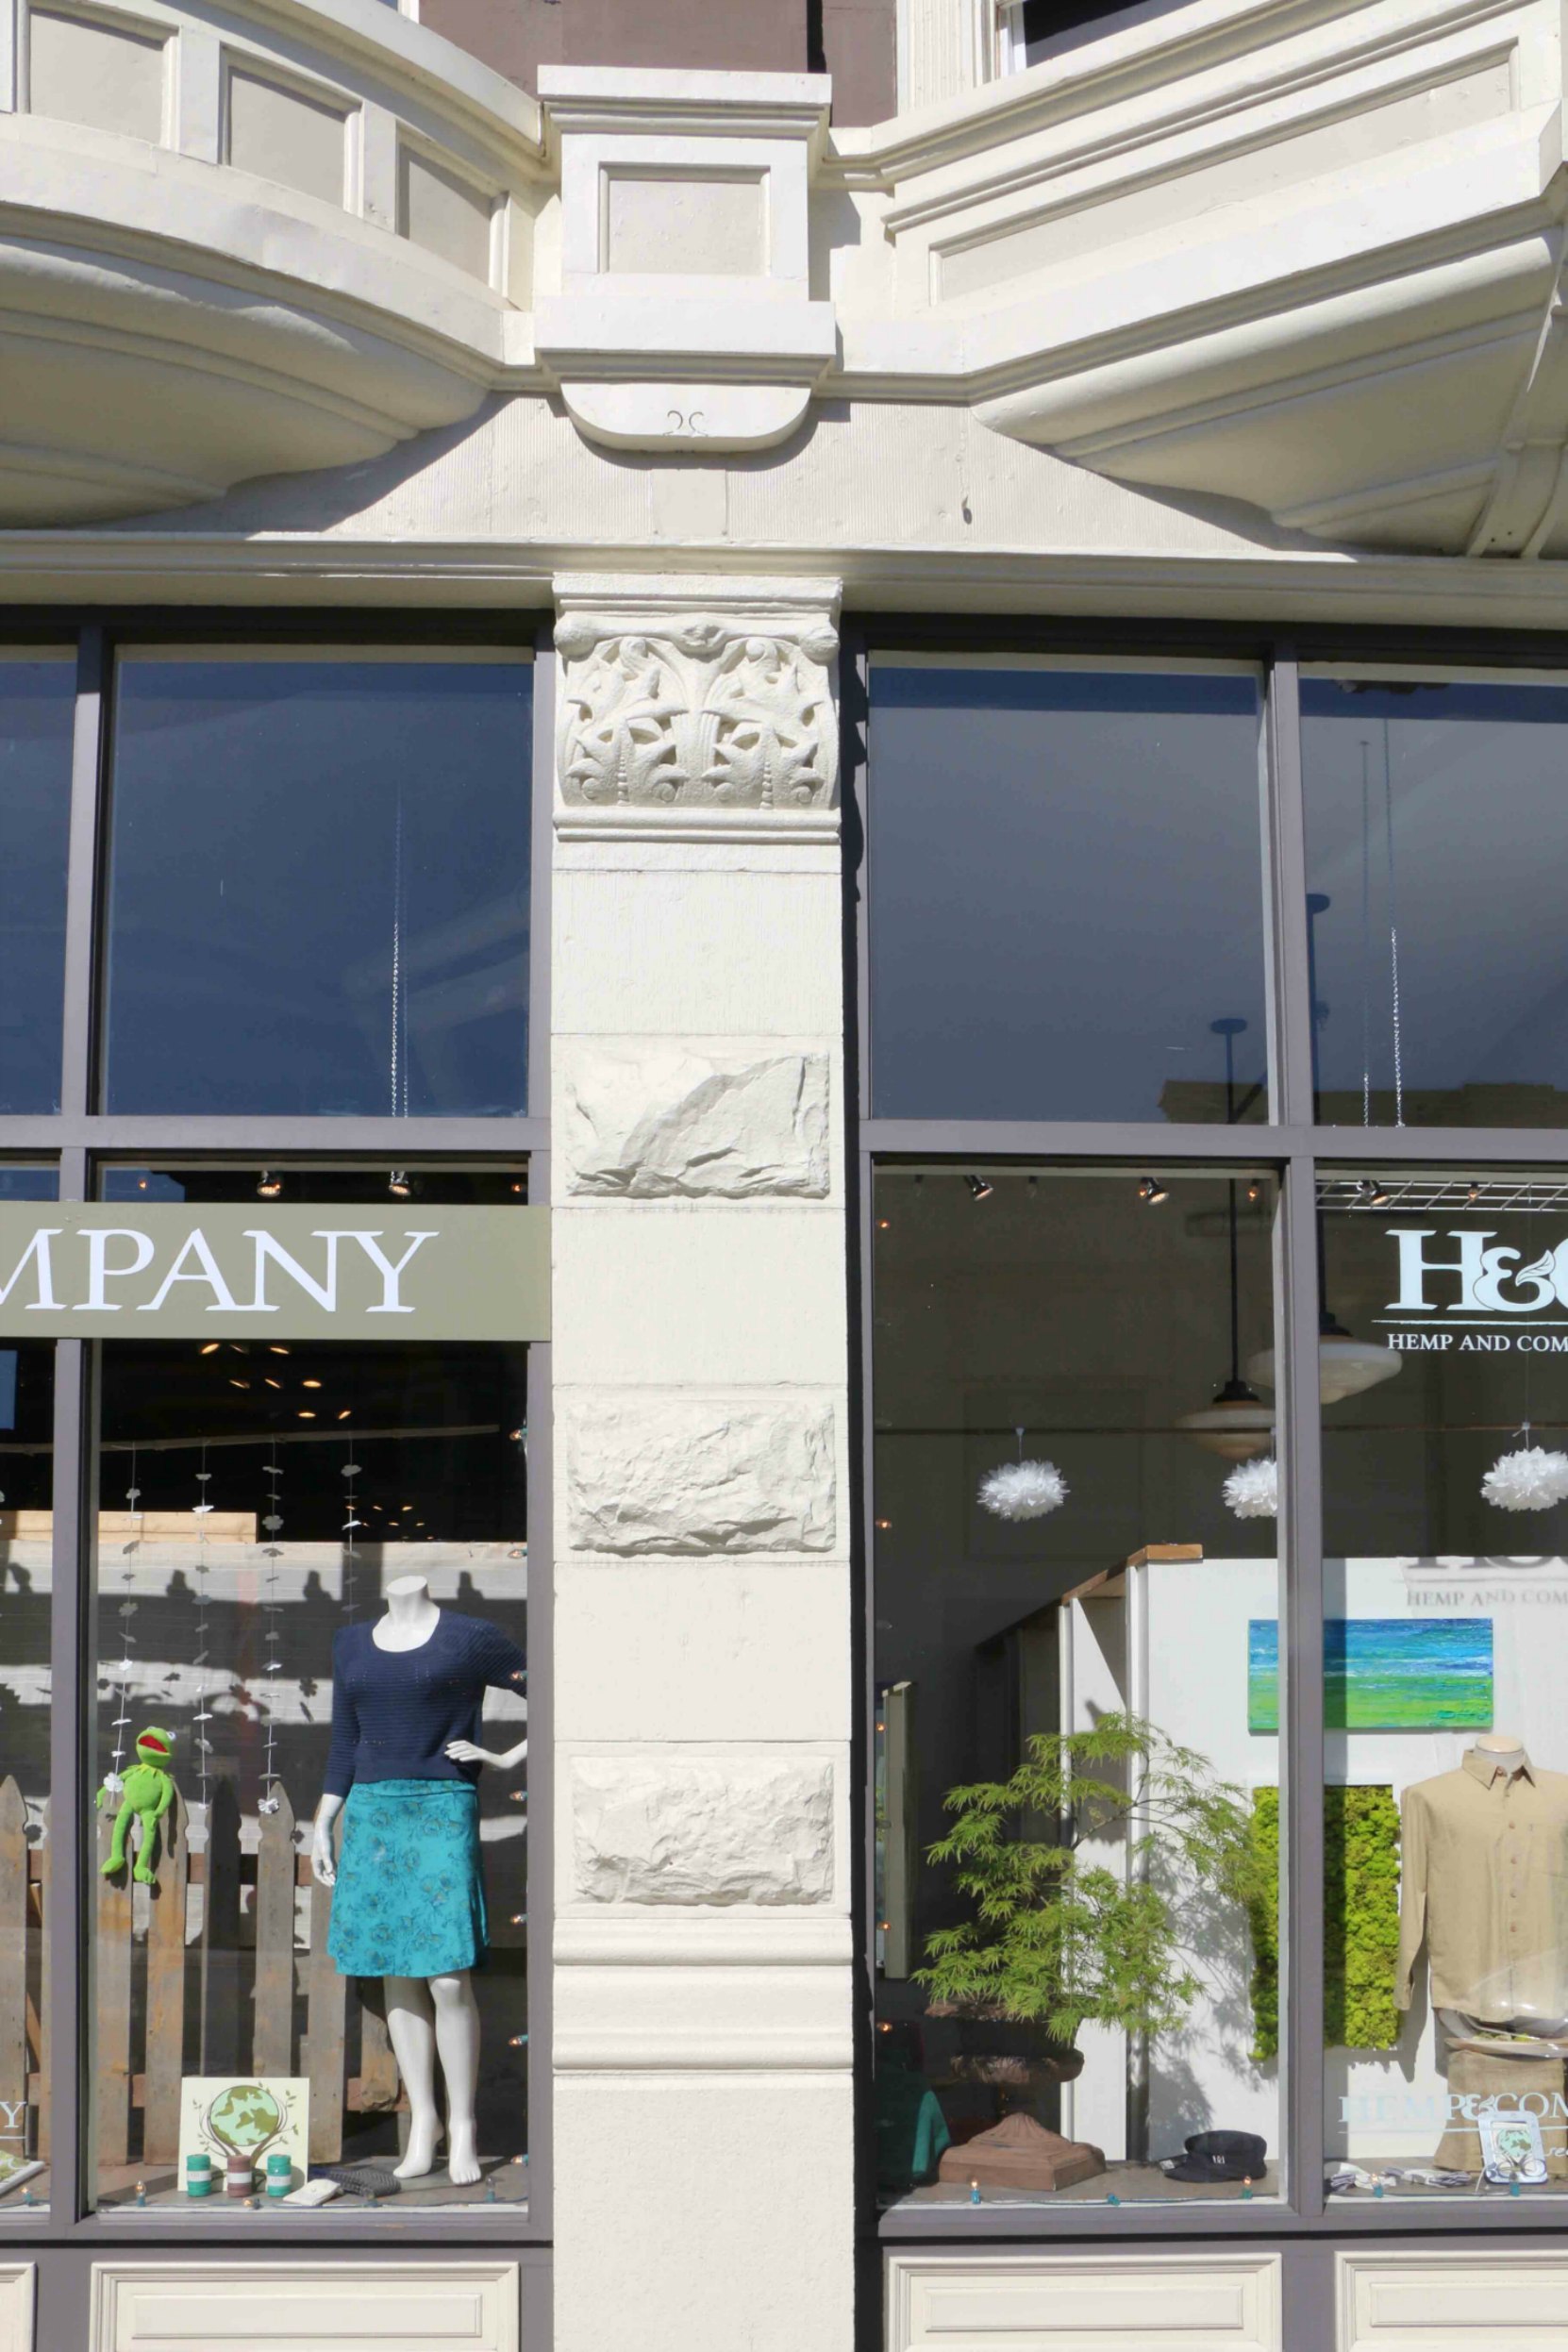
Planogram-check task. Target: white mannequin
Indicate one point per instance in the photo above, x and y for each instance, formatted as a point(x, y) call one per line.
point(1504, 1749)
point(426, 2016)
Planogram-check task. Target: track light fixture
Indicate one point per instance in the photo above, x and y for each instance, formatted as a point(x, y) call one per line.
point(1151, 1193)
point(398, 1184)
point(978, 1188)
point(270, 1186)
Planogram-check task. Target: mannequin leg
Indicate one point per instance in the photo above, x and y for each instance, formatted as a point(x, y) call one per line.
point(411, 2030)
point(457, 2040)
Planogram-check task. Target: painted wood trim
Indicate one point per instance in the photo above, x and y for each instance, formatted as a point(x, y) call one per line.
point(454, 2306)
point(18, 2283)
point(1478, 2299)
point(1207, 2302)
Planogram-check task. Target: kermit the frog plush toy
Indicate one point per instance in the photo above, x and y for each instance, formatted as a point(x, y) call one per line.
point(149, 1790)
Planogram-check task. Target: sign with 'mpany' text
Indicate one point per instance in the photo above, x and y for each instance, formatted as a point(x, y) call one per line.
point(226, 1270)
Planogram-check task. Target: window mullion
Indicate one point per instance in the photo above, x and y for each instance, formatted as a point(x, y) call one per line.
point(1285, 832)
point(81, 894)
point(1301, 1616)
point(73, 1641)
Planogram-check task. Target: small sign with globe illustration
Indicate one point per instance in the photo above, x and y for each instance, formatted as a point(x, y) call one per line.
point(221, 2117)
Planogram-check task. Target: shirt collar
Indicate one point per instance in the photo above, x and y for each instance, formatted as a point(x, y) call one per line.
point(1486, 1769)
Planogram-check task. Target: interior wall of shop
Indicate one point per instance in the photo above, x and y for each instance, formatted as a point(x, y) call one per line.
point(852, 40)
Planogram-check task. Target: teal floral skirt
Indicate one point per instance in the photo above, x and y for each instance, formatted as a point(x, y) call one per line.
point(409, 1899)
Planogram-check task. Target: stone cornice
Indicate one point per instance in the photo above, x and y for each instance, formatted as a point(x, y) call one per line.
point(262, 570)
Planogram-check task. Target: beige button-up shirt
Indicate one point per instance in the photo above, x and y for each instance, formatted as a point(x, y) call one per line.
point(1484, 1884)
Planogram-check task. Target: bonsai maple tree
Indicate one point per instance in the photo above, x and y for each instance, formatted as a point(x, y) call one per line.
point(1062, 1938)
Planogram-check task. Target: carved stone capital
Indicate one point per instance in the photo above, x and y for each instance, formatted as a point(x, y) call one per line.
point(697, 710)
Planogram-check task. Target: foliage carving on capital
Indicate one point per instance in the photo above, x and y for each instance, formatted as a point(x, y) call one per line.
point(700, 713)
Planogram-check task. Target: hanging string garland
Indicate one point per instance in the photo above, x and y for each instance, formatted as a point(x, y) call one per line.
point(1532, 1477)
point(1023, 1490)
point(126, 1666)
point(201, 1509)
point(272, 1552)
point(1252, 1490)
point(351, 1527)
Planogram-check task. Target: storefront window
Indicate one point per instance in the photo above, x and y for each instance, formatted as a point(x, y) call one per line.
point(310, 1902)
point(1077, 1816)
point(36, 705)
point(319, 891)
point(1066, 892)
point(1439, 961)
point(1445, 1522)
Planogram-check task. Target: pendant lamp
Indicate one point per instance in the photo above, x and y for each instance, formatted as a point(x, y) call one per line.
point(1346, 1366)
point(1237, 1424)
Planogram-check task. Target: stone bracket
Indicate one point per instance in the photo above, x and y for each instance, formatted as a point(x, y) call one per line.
point(685, 318)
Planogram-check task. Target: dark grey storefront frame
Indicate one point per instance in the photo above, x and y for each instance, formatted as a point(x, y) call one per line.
point(79, 1141)
point(1303, 2226)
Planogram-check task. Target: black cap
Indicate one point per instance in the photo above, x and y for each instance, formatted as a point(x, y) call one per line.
point(1218, 2156)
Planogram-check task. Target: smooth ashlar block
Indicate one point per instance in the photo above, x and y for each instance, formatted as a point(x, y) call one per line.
point(692, 1476)
point(702, 1829)
point(288, 135)
point(444, 214)
point(663, 1125)
point(703, 223)
point(81, 69)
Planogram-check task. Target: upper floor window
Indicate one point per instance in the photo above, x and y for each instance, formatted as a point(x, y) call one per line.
point(1066, 892)
point(1029, 31)
point(318, 895)
point(37, 692)
point(1437, 827)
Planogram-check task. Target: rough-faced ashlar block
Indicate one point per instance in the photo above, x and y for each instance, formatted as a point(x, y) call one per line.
point(673, 1126)
point(702, 1829)
point(692, 1476)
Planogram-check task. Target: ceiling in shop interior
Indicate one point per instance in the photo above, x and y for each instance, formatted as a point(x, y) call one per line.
point(1302, 256)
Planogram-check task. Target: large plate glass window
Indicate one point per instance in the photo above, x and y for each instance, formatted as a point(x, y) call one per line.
point(1078, 1753)
point(1066, 895)
point(1437, 829)
point(318, 881)
point(1445, 1529)
point(37, 707)
point(312, 1582)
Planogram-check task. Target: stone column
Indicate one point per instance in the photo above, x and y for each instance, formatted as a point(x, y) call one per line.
point(702, 1939)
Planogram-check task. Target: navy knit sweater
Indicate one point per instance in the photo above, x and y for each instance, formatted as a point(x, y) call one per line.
point(394, 1712)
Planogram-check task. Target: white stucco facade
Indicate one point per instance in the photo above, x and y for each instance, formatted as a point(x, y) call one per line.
point(1247, 310)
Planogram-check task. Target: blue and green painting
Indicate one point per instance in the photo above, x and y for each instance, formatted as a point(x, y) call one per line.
point(1384, 1673)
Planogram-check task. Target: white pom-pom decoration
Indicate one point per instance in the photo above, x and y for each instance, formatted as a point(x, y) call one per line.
point(1252, 1489)
point(1023, 1490)
point(1529, 1479)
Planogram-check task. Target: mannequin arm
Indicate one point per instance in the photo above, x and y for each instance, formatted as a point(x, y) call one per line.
point(466, 1752)
point(324, 1863)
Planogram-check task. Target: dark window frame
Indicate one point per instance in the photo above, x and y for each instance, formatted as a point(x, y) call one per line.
point(79, 1142)
point(1295, 1150)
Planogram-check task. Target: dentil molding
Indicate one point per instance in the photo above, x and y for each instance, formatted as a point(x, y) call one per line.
point(697, 710)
